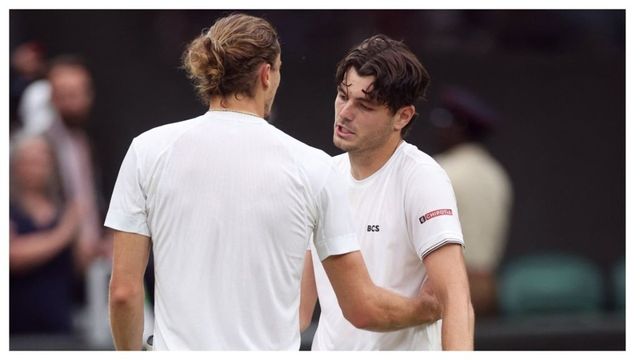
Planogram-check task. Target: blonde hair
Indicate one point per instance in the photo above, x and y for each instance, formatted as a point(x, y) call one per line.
point(223, 60)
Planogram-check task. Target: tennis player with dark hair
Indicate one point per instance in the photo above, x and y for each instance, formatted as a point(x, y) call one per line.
point(402, 201)
point(229, 203)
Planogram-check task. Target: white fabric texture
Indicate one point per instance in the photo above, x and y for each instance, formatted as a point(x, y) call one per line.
point(387, 207)
point(230, 203)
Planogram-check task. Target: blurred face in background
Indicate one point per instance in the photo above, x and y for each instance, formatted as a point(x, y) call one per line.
point(71, 93)
point(33, 164)
point(28, 60)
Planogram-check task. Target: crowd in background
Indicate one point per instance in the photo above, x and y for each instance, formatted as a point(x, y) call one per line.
point(56, 232)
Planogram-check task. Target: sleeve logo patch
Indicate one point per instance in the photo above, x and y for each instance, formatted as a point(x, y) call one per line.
point(434, 213)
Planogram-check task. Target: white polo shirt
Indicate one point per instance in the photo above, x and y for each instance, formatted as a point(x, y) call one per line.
point(402, 212)
point(230, 203)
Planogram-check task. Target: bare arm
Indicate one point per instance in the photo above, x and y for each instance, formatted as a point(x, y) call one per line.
point(308, 293)
point(448, 277)
point(32, 250)
point(370, 307)
point(126, 290)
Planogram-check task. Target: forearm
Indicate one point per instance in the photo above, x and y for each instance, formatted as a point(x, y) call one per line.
point(367, 306)
point(458, 325)
point(126, 313)
point(126, 290)
point(306, 314)
point(448, 274)
point(389, 311)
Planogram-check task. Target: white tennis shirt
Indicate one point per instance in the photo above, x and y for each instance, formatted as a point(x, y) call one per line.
point(230, 203)
point(402, 212)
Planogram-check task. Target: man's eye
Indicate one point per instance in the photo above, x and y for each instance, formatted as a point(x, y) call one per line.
point(365, 107)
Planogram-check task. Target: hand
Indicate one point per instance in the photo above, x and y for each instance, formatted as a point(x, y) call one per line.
point(431, 305)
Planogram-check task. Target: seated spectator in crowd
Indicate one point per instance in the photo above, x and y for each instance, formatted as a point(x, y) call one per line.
point(43, 228)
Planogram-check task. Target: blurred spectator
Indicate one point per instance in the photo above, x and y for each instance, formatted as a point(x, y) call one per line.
point(72, 99)
point(42, 231)
point(482, 188)
point(27, 66)
point(60, 107)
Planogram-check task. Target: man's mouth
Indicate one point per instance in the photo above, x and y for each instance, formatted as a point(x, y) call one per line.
point(343, 131)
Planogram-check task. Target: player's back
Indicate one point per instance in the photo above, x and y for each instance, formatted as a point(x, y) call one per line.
point(230, 211)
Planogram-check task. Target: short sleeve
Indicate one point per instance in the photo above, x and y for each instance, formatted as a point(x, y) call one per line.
point(127, 210)
point(430, 210)
point(334, 233)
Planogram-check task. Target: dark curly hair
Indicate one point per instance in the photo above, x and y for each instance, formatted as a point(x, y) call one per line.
point(400, 78)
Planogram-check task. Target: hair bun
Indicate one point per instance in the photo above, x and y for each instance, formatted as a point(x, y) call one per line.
point(205, 62)
point(223, 60)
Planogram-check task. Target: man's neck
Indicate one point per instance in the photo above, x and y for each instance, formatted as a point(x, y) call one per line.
point(367, 162)
point(242, 104)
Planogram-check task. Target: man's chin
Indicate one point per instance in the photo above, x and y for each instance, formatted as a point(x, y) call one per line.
point(341, 144)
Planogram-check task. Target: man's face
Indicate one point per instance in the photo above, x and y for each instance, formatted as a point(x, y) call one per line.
point(71, 93)
point(361, 125)
point(271, 94)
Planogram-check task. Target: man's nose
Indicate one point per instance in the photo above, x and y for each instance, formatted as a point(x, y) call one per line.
point(346, 111)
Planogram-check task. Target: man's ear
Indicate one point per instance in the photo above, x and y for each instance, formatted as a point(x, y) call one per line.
point(403, 116)
point(265, 75)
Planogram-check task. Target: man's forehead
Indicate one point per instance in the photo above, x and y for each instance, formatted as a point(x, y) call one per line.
point(356, 88)
point(358, 93)
point(354, 80)
point(69, 74)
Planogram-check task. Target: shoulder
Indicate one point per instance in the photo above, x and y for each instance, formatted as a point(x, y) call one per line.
point(473, 165)
point(415, 164)
point(37, 91)
point(303, 154)
point(164, 134)
point(151, 144)
point(313, 165)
